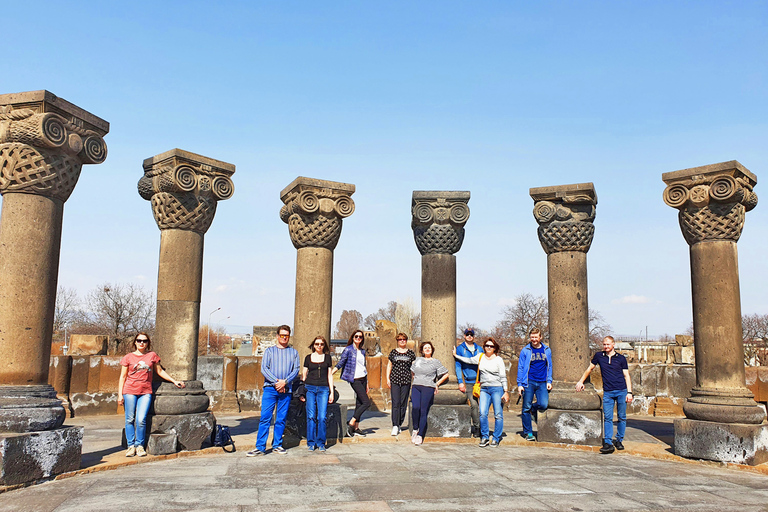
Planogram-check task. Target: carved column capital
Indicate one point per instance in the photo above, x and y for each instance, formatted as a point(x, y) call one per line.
point(438, 220)
point(314, 209)
point(713, 200)
point(184, 189)
point(565, 214)
point(44, 142)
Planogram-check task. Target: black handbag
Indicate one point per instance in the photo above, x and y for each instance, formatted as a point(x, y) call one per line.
point(300, 391)
point(221, 437)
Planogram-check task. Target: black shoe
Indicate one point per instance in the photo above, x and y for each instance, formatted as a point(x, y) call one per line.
point(618, 444)
point(349, 431)
point(484, 443)
point(607, 448)
point(359, 432)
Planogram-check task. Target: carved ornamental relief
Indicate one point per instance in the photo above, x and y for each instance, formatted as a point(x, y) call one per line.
point(566, 223)
point(712, 207)
point(438, 222)
point(314, 215)
point(184, 194)
point(43, 153)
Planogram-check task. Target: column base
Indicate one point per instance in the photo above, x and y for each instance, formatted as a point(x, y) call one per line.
point(192, 430)
point(721, 442)
point(446, 420)
point(571, 426)
point(29, 456)
point(564, 396)
point(30, 408)
point(171, 400)
point(723, 406)
point(163, 444)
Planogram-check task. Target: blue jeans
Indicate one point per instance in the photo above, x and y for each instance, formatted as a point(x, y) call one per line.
point(271, 399)
point(542, 401)
point(136, 411)
point(488, 395)
point(609, 397)
point(422, 398)
point(317, 407)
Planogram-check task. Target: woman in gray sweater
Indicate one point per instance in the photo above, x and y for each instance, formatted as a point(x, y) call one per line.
point(428, 374)
point(494, 389)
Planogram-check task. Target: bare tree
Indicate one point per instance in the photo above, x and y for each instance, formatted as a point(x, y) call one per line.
point(349, 321)
point(408, 318)
point(120, 311)
point(598, 329)
point(66, 309)
point(388, 312)
point(755, 337)
point(511, 332)
point(479, 333)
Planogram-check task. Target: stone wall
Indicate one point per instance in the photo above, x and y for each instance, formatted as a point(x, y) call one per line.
point(88, 384)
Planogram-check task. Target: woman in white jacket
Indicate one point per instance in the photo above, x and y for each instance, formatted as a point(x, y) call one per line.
point(493, 389)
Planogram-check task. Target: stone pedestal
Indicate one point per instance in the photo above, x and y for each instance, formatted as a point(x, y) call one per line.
point(30, 456)
point(44, 142)
point(575, 426)
point(565, 215)
point(184, 189)
point(314, 210)
point(447, 420)
point(712, 203)
point(723, 442)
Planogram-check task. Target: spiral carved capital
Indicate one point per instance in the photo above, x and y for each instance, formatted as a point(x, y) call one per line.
point(438, 220)
point(43, 152)
point(184, 189)
point(314, 210)
point(712, 200)
point(565, 215)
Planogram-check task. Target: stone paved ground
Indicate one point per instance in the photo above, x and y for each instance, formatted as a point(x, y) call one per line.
point(398, 476)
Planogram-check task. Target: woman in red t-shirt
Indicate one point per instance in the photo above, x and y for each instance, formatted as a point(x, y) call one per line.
point(135, 391)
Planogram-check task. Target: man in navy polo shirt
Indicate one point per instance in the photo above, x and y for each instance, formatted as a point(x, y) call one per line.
point(617, 388)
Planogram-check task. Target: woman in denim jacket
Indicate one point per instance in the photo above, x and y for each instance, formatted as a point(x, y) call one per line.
point(352, 364)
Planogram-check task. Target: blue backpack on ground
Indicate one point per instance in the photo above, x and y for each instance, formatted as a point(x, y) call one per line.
point(221, 437)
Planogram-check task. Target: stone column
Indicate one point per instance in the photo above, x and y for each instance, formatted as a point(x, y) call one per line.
point(438, 219)
point(723, 423)
point(44, 142)
point(565, 214)
point(314, 210)
point(184, 189)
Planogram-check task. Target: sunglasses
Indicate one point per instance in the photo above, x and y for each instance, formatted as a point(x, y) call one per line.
point(142, 341)
point(284, 336)
point(401, 339)
point(319, 343)
point(358, 337)
point(489, 346)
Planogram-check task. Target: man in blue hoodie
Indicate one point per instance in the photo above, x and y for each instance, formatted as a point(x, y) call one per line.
point(466, 374)
point(534, 377)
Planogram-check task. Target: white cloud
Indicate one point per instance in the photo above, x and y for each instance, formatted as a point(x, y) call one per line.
point(632, 299)
point(221, 288)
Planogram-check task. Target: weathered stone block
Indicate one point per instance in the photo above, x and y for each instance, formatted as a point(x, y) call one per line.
point(94, 373)
point(210, 371)
point(35, 455)
point(109, 374)
point(683, 340)
point(249, 373)
point(93, 404)
point(87, 345)
point(78, 382)
point(722, 442)
point(162, 444)
point(249, 400)
point(649, 379)
point(447, 421)
point(679, 381)
point(571, 427)
point(386, 331)
point(335, 420)
point(192, 429)
point(223, 401)
point(374, 367)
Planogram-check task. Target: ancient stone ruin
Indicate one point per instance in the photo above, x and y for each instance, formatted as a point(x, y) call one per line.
point(44, 142)
point(438, 219)
point(314, 211)
point(184, 189)
point(723, 422)
point(565, 215)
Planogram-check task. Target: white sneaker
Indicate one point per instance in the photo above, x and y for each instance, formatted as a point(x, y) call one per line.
point(395, 431)
point(418, 440)
point(140, 451)
point(131, 451)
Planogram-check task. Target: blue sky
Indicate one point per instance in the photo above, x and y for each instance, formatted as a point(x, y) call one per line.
point(490, 97)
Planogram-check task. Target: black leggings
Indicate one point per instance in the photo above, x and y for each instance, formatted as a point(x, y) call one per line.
point(362, 402)
point(399, 403)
